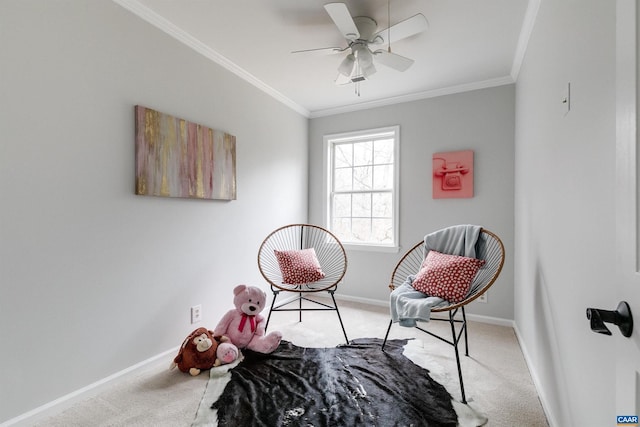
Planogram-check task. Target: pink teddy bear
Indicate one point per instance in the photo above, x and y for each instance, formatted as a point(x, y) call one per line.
point(244, 326)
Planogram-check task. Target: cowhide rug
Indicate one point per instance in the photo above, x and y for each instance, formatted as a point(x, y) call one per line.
point(349, 385)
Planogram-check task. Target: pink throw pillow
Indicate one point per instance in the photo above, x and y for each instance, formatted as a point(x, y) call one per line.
point(447, 276)
point(299, 266)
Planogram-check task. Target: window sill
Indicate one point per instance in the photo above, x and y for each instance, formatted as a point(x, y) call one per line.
point(370, 248)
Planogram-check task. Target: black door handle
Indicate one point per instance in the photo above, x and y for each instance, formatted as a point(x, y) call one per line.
point(620, 317)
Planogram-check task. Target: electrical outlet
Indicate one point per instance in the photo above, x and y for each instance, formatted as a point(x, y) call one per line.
point(196, 313)
point(482, 298)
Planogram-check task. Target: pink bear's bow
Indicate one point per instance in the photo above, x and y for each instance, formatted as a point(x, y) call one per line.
point(252, 321)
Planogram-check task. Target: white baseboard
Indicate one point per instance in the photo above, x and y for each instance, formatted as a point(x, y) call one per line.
point(65, 402)
point(544, 401)
point(361, 300)
point(490, 320)
point(58, 405)
point(473, 317)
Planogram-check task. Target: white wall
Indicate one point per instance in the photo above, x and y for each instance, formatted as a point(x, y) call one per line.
point(93, 278)
point(564, 208)
point(481, 120)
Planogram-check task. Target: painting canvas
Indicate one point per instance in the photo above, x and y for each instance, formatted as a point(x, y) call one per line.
point(453, 174)
point(179, 158)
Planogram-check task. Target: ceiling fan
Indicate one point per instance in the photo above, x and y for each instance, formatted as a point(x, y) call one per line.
point(360, 34)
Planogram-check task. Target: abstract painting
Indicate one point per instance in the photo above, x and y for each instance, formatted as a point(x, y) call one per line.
point(179, 158)
point(453, 174)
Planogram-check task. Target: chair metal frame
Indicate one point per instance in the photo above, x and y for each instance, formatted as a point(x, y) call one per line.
point(489, 248)
point(331, 256)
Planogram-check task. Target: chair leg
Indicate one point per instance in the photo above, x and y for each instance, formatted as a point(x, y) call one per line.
point(300, 307)
point(387, 334)
point(466, 340)
point(273, 301)
point(339, 318)
point(455, 346)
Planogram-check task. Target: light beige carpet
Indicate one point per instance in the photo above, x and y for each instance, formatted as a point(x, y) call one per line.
point(497, 381)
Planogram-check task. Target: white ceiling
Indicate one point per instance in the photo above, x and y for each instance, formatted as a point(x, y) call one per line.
point(469, 44)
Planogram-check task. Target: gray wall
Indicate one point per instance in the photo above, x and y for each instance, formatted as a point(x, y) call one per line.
point(93, 278)
point(482, 121)
point(565, 187)
point(104, 279)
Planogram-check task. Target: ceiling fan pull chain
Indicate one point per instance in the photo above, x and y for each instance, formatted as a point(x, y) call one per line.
point(358, 73)
point(389, 25)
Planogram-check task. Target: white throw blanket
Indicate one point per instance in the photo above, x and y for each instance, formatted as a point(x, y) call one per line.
point(408, 305)
point(456, 240)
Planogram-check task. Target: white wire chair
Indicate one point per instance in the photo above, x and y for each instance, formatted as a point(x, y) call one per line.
point(330, 254)
point(489, 248)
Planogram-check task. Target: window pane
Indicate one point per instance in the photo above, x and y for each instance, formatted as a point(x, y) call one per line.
point(342, 205)
point(343, 179)
point(361, 230)
point(383, 177)
point(382, 230)
point(343, 155)
point(361, 205)
point(341, 227)
point(383, 151)
point(362, 175)
point(362, 153)
point(382, 205)
point(362, 178)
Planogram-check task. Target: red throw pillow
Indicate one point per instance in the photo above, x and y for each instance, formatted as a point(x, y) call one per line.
point(299, 267)
point(447, 276)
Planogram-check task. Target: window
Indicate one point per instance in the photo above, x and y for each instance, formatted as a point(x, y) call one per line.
point(361, 201)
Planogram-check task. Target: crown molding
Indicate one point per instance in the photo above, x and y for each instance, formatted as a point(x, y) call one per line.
point(161, 23)
point(143, 12)
point(500, 81)
point(525, 34)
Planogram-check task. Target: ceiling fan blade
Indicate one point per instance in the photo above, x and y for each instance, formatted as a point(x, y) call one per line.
point(393, 60)
point(343, 20)
point(403, 29)
point(342, 80)
point(321, 50)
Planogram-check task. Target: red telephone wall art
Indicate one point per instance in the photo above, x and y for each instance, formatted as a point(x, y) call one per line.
point(453, 174)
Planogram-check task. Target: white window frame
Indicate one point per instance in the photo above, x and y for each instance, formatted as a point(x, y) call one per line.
point(329, 141)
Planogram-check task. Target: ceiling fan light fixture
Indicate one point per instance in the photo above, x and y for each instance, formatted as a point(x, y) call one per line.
point(368, 70)
point(363, 55)
point(346, 67)
point(360, 34)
